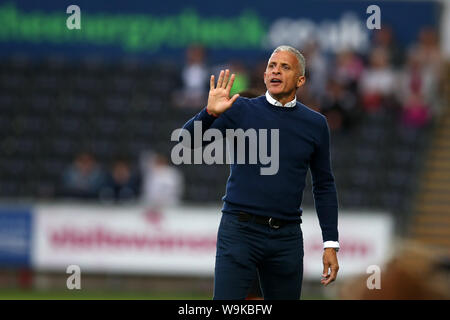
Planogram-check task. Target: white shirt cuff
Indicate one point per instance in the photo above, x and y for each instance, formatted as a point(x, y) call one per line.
point(331, 244)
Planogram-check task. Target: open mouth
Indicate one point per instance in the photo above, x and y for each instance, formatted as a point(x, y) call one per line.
point(275, 81)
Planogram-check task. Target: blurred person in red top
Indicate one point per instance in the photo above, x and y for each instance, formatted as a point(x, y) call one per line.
point(417, 92)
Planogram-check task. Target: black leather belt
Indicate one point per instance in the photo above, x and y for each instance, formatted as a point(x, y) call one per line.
point(271, 222)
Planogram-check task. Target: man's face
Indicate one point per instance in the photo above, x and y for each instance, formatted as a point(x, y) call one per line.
point(282, 76)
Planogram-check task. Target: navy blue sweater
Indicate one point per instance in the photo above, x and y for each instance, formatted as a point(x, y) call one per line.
point(304, 143)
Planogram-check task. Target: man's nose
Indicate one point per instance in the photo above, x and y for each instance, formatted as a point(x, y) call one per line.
point(276, 70)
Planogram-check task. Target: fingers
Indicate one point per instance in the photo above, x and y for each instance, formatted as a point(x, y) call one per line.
point(328, 278)
point(223, 82)
point(325, 269)
point(230, 83)
point(334, 271)
point(211, 82)
point(325, 276)
point(220, 81)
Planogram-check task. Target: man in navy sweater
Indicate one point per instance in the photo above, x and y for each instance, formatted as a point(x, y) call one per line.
point(260, 226)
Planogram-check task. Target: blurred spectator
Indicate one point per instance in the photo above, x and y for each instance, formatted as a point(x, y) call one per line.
point(428, 51)
point(417, 79)
point(417, 92)
point(122, 183)
point(339, 106)
point(348, 69)
point(426, 64)
point(195, 78)
point(162, 184)
point(415, 113)
point(414, 273)
point(84, 178)
point(316, 70)
point(378, 82)
point(384, 39)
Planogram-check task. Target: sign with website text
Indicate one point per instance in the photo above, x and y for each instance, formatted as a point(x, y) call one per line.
point(164, 29)
point(182, 240)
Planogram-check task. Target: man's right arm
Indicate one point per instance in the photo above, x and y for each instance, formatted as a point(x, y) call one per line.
point(219, 101)
point(204, 117)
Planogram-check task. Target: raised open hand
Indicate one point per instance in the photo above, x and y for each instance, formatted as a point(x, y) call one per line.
point(219, 96)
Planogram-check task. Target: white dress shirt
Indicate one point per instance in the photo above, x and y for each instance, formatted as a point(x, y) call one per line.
point(277, 103)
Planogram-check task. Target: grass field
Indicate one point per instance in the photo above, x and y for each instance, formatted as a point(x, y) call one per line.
point(92, 295)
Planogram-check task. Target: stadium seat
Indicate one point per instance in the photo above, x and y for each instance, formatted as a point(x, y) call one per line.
point(52, 108)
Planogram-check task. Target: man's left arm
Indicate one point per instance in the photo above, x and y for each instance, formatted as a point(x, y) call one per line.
point(326, 203)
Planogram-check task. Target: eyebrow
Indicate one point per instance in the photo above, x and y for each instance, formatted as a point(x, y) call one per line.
point(282, 64)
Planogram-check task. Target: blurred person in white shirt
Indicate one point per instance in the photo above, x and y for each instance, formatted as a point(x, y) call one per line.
point(317, 70)
point(194, 77)
point(162, 184)
point(378, 82)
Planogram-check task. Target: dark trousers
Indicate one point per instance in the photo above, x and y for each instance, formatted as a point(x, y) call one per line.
point(246, 249)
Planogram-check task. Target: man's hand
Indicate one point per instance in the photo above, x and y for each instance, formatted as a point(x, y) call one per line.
point(329, 262)
point(219, 97)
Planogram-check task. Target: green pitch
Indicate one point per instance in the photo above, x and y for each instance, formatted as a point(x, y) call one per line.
point(92, 295)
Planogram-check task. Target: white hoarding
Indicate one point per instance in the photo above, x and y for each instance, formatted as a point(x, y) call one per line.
point(181, 241)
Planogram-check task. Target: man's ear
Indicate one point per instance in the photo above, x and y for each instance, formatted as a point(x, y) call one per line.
point(301, 81)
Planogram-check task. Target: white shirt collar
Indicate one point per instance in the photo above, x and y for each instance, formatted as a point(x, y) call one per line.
point(277, 103)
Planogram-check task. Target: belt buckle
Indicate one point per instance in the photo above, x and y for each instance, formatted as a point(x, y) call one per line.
point(272, 225)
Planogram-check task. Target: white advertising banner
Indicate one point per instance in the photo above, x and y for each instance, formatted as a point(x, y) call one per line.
point(181, 241)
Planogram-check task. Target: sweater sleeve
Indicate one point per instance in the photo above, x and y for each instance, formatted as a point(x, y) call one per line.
point(324, 188)
point(203, 117)
point(226, 120)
